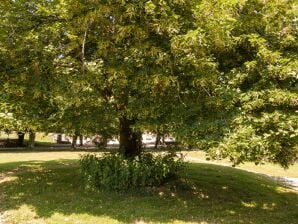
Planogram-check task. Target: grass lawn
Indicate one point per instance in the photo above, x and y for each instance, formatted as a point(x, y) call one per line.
point(268, 168)
point(46, 187)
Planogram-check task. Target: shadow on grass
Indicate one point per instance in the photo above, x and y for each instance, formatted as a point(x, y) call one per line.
point(206, 194)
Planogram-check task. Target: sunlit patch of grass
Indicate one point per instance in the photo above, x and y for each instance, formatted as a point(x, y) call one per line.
point(22, 213)
point(4, 179)
point(8, 157)
point(269, 206)
point(251, 204)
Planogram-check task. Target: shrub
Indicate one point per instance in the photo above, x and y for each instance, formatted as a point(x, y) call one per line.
point(114, 171)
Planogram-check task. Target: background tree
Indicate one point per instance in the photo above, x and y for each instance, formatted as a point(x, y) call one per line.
point(260, 66)
point(27, 56)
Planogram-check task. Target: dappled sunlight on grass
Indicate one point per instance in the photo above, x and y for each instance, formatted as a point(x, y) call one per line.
point(251, 204)
point(17, 156)
point(7, 179)
point(269, 206)
point(53, 192)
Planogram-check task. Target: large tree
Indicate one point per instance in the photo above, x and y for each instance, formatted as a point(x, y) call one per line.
point(121, 55)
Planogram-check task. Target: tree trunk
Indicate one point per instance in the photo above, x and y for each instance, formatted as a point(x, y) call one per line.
point(59, 139)
point(21, 137)
point(104, 141)
point(157, 140)
point(31, 142)
point(130, 141)
point(163, 140)
point(74, 141)
point(81, 140)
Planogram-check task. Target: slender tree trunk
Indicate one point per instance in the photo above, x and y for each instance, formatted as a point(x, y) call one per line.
point(130, 141)
point(59, 139)
point(157, 140)
point(104, 142)
point(7, 139)
point(74, 141)
point(163, 140)
point(189, 146)
point(21, 137)
point(31, 142)
point(81, 140)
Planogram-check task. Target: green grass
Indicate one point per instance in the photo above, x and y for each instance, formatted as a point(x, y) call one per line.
point(267, 168)
point(47, 188)
point(9, 157)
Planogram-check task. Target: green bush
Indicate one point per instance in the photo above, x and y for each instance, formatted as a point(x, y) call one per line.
point(114, 171)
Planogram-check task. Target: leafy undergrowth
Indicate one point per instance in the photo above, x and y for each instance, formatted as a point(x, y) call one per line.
point(113, 171)
point(52, 192)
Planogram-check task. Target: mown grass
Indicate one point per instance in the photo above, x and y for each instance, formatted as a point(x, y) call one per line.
point(52, 191)
point(22, 156)
point(46, 155)
point(267, 168)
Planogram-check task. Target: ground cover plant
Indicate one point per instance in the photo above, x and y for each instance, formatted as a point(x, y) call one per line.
point(51, 191)
point(116, 172)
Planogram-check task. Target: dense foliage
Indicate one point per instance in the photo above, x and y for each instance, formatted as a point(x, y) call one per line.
point(262, 70)
point(220, 75)
point(115, 172)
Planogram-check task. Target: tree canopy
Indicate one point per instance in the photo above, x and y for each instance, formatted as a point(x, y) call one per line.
point(220, 75)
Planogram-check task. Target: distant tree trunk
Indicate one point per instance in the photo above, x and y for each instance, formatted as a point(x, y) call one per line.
point(130, 141)
point(104, 141)
point(189, 146)
point(163, 140)
point(31, 142)
point(74, 141)
point(81, 140)
point(59, 139)
point(21, 137)
point(8, 133)
point(157, 140)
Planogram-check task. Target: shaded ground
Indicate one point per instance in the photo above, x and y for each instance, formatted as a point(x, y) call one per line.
point(52, 192)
